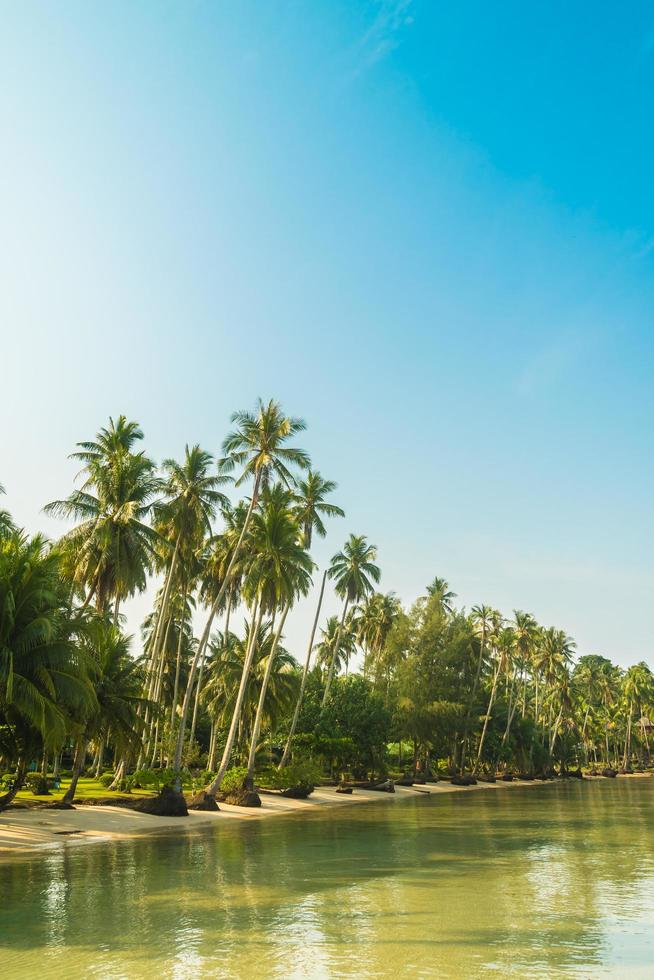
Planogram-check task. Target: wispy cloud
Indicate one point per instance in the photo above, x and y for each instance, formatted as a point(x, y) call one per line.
point(382, 36)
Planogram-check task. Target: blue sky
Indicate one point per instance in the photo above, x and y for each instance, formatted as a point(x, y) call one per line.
point(426, 228)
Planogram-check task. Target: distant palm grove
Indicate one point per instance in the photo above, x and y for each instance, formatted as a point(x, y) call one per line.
point(210, 699)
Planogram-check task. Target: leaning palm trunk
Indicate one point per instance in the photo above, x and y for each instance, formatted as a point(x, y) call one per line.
point(199, 653)
point(466, 725)
point(78, 765)
point(303, 682)
point(214, 786)
point(332, 664)
point(19, 779)
point(262, 694)
point(491, 702)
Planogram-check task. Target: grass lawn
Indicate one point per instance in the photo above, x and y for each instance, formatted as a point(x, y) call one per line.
point(87, 788)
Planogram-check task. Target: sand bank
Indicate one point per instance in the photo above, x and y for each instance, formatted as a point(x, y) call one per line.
point(41, 829)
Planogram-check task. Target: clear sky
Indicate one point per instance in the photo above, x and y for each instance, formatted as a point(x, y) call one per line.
point(427, 228)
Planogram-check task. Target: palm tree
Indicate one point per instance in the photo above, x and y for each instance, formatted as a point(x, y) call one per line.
point(373, 621)
point(279, 569)
point(258, 445)
point(637, 686)
point(353, 571)
point(225, 670)
point(283, 564)
point(7, 526)
point(337, 644)
point(183, 519)
point(311, 508)
point(502, 640)
point(481, 618)
point(117, 682)
point(311, 505)
point(43, 670)
point(110, 552)
point(440, 590)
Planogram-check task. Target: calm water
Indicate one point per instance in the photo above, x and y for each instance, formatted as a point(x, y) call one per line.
point(532, 882)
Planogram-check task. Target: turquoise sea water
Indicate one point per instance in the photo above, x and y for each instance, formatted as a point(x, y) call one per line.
point(547, 881)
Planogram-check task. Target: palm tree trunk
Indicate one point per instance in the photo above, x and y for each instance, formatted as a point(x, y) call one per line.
point(178, 660)
point(491, 701)
point(78, 765)
point(262, 694)
point(19, 779)
point(332, 665)
point(98, 767)
point(198, 688)
point(466, 724)
point(207, 630)
point(305, 672)
point(214, 786)
point(626, 762)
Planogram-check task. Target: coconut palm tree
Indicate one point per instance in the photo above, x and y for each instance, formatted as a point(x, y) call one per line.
point(481, 618)
point(502, 639)
point(285, 566)
point(439, 589)
point(637, 687)
point(353, 571)
point(7, 525)
point(258, 445)
point(372, 622)
point(337, 644)
point(117, 681)
point(44, 677)
point(279, 569)
point(111, 550)
point(311, 506)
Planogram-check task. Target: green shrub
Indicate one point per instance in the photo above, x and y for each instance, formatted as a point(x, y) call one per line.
point(302, 774)
point(37, 784)
point(233, 779)
point(106, 779)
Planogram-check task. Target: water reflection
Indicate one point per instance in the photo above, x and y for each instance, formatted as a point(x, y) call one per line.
point(538, 882)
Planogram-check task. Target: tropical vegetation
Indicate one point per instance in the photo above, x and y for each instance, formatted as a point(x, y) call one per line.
point(210, 696)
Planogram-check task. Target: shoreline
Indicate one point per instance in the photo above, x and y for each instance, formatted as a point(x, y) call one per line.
point(37, 830)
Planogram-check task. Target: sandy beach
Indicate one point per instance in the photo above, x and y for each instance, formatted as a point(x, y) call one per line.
point(42, 829)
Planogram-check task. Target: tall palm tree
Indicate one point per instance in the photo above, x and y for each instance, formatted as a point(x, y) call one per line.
point(502, 639)
point(353, 571)
point(279, 569)
point(482, 619)
point(372, 622)
point(259, 446)
point(113, 547)
point(311, 506)
point(637, 686)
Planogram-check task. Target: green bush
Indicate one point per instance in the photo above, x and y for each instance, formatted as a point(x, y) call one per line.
point(37, 784)
point(233, 779)
point(106, 779)
point(302, 774)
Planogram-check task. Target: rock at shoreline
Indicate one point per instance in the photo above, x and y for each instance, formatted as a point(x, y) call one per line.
point(203, 801)
point(609, 773)
point(169, 803)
